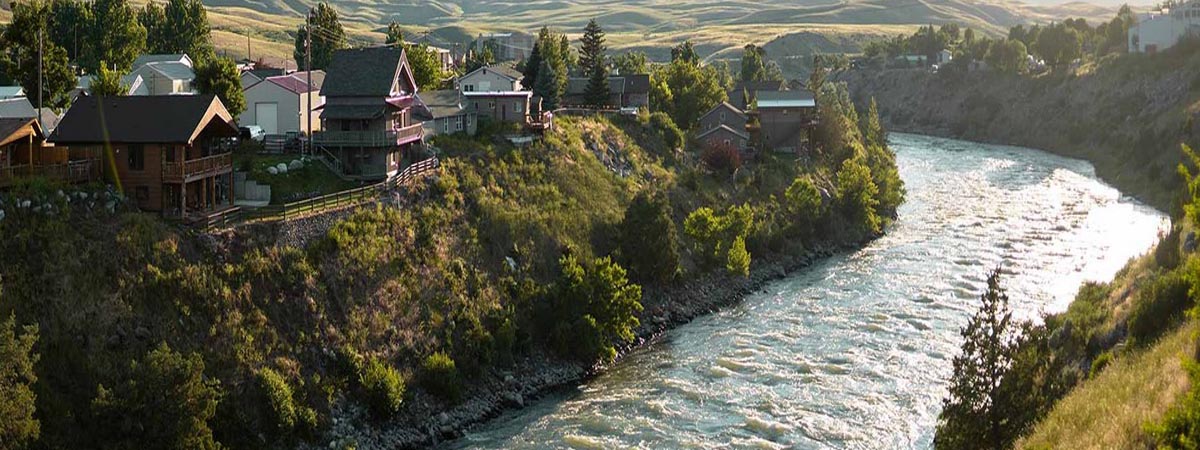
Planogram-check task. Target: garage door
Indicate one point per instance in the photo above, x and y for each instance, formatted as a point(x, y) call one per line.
point(267, 115)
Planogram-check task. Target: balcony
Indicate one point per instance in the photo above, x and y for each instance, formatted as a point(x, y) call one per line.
point(196, 169)
point(71, 172)
point(390, 138)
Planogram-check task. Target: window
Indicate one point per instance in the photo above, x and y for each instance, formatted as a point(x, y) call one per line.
point(458, 122)
point(170, 152)
point(137, 157)
point(492, 104)
point(445, 125)
point(518, 107)
point(468, 88)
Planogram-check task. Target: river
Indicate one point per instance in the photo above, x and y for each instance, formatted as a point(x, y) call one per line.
point(854, 351)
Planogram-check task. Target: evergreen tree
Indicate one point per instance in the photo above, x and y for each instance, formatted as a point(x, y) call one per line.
point(872, 129)
point(753, 65)
point(395, 34)
point(328, 36)
point(858, 195)
point(220, 77)
point(547, 87)
point(107, 83)
point(685, 52)
point(18, 425)
point(114, 36)
point(591, 48)
point(975, 414)
point(648, 238)
point(532, 65)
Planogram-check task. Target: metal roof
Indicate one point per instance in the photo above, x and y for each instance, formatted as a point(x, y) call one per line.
point(785, 99)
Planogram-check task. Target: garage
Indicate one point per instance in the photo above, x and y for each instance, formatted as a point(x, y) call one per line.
point(267, 116)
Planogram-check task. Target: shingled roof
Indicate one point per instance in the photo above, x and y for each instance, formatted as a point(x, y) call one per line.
point(175, 119)
point(13, 129)
point(367, 72)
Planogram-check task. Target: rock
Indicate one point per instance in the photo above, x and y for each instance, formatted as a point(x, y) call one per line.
point(25, 203)
point(282, 168)
point(1, 214)
point(515, 399)
point(1189, 242)
point(295, 165)
point(142, 333)
point(272, 170)
point(509, 379)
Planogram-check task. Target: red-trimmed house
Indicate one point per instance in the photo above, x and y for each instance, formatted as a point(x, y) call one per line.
point(723, 124)
point(367, 121)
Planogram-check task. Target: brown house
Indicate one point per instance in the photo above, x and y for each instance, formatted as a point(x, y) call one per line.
point(624, 91)
point(25, 153)
point(367, 122)
point(508, 106)
point(786, 119)
point(167, 153)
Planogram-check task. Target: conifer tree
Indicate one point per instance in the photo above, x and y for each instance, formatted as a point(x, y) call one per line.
point(328, 36)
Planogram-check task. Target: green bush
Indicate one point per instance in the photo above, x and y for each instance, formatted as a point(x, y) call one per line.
point(714, 235)
point(671, 134)
point(738, 262)
point(648, 239)
point(858, 196)
point(18, 426)
point(1100, 363)
point(384, 387)
point(281, 408)
point(1159, 304)
point(804, 205)
point(591, 308)
point(440, 376)
point(1180, 427)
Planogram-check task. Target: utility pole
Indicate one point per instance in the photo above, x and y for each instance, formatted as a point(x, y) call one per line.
point(40, 32)
point(308, 75)
point(248, 56)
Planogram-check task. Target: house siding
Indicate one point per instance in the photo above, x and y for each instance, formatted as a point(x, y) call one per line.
point(486, 80)
point(291, 111)
point(505, 109)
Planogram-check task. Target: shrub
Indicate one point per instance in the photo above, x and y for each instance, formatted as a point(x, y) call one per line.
point(721, 158)
point(440, 376)
point(714, 235)
point(803, 204)
point(671, 134)
point(738, 262)
point(1180, 427)
point(384, 387)
point(1100, 363)
point(648, 239)
point(591, 308)
point(281, 407)
point(17, 376)
point(1159, 304)
point(857, 194)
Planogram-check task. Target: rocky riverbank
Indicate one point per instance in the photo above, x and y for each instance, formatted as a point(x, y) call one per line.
point(426, 421)
point(1126, 115)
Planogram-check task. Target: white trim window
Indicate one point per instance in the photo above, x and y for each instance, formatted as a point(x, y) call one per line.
point(458, 123)
point(446, 125)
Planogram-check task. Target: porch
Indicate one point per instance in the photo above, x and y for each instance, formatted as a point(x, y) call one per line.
point(197, 199)
point(80, 171)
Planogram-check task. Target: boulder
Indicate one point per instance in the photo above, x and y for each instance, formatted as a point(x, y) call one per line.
point(295, 165)
point(282, 168)
point(272, 170)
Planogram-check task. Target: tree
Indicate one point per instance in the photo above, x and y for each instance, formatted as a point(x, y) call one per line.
point(69, 22)
point(685, 52)
point(153, 18)
point(114, 36)
point(426, 65)
point(804, 205)
point(165, 400)
point(531, 67)
point(1008, 56)
point(754, 67)
point(18, 426)
point(1191, 203)
point(220, 77)
point(693, 90)
point(738, 260)
point(593, 63)
point(189, 30)
point(547, 87)
point(593, 307)
point(631, 62)
point(1058, 45)
point(328, 36)
point(395, 34)
point(872, 129)
point(555, 51)
point(648, 238)
point(976, 413)
point(107, 83)
point(858, 195)
point(29, 20)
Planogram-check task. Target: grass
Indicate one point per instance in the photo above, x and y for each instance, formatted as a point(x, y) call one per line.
point(312, 180)
point(1110, 411)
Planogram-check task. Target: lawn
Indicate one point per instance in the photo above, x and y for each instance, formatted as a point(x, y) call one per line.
point(312, 180)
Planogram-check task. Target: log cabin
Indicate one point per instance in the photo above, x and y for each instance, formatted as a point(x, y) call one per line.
point(169, 154)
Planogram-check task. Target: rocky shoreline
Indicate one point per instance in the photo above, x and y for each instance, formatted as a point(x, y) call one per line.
point(427, 422)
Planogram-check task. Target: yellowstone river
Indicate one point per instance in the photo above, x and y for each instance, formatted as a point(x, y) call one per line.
point(854, 351)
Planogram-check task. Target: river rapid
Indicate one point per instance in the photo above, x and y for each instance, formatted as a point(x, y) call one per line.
point(854, 351)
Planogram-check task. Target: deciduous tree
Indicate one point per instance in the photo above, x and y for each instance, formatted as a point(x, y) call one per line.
point(107, 83)
point(30, 19)
point(328, 36)
point(114, 36)
point(18, 426)
point(219, 76)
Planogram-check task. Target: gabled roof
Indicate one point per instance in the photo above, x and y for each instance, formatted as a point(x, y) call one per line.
point(748, 88)
point(18, 108)
point(162, 58)
point(12, 130)
point(368, 72)
point(443, 103)
point(11, 91)
point(785, 99)
point(625, 84)
point(263, 74)
point(133, 81)
point(167, 119)
point(48, 119)
point(504, 70)
point(726, 128)
point(172, 70)
point(727, 107)
point(298, 82)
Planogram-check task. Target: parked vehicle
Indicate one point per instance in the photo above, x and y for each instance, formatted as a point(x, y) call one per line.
point(252, 133)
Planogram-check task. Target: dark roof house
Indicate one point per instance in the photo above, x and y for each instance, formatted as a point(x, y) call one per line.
point(368, 72)
point(175, 119)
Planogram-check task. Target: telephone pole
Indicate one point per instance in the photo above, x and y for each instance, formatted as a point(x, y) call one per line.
point(308, 75)
point(39, 111)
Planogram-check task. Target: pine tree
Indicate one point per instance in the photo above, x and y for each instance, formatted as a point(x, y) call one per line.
point(328, 36)
point(530, 72)
point(395, 34)
point(547, 87)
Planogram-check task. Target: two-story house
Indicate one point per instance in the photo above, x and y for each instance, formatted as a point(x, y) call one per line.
point(786, 119)
point(367, 121)
point(168, 153)
point(493, 78)
point(165, 74)
point(724, 124)
point(624, 91)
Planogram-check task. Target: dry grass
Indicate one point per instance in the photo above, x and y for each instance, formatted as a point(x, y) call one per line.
point(1110, 411)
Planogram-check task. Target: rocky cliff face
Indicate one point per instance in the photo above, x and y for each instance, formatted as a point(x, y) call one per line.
point(1127, 114)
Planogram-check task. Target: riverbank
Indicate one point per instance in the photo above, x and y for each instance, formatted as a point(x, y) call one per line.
point(426, 421)
point(1125, 114)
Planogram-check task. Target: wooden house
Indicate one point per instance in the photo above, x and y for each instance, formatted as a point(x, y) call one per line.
point(786, 120)
point(167, 153)
point(24, 153)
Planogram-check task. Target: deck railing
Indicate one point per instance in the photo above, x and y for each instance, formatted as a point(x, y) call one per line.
point(411, 133)
point(209, 165)
point(71, 172)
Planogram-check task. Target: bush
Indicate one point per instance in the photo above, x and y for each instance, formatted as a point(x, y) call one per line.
point(591, 308)
point(281, 407)
point(440, 376)
point(384, 387)
point(804, 204)
point(1159, 304)
point(671, 134)
point(857, 196)
point(1180, 427)
point(648, 239)
point(17, 399)
point(721, 158)
point(1100, 363)
point(738, 262)
point(714, 235)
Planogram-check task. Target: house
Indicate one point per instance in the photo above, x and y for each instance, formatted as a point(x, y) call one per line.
point(506, 46)
point(253, 76)
point(493, 78)
point(7, 92)
point(785, 119)
point(1162, 29)
point(25, 153)
point(724, 124)
point(367, 121)
point(134, 83)
point(742, 94)
point(17, 108)
point(279, 104)
point(624, 91)
point(169, 153)
point(445, 112)
point(944, 56)
point(502, 106)
point(165, 74)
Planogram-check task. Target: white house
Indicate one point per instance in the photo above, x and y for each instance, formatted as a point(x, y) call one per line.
point(134, 82)
point(279, 104)
point(493, 78)
point(1162, 29)
point(165, 74)
point(11, 92)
